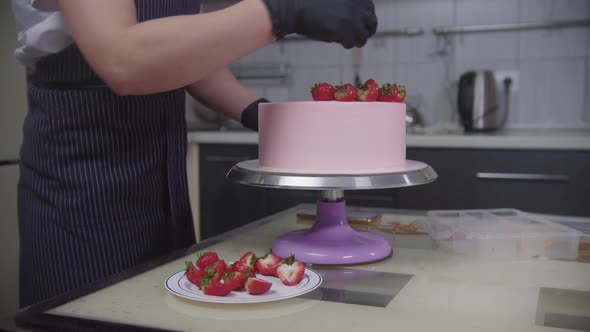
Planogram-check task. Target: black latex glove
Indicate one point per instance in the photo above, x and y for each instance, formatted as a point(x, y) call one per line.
point(348, 22)
point(249, 117)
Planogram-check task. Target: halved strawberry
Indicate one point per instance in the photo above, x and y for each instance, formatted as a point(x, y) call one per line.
point(234, 280)
point(322, 92)
point(371, 82)
point(216, 269)
point(193, 274)
point(346, 92)
point(243, 268)
point(291, 271)
point(268, 264)
point(206, 259)
point(392, 92)
point(249, 259)
point(214, 286)
point(255, 286)
point(367, 92)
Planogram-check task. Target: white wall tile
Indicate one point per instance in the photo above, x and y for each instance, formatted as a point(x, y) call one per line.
point(487, 46)
point(570, 42)
point(314, 53)
point(385, 11)
point(275, 53)
point(277, 94)
point(534, 11)
point(377, 51)
point(551, 93)
point(303, 78)
point(427, 89)
point(426, 14)
point(478, 12)
point(380, 73)
point(500, 45)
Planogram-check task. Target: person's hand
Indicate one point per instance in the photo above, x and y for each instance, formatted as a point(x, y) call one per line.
point(348, 22)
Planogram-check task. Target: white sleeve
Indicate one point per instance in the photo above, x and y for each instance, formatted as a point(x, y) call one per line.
point(45, 5)
point(41, 29)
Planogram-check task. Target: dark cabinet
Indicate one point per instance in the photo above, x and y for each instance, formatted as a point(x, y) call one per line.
point(226, 205)
point(554, 182)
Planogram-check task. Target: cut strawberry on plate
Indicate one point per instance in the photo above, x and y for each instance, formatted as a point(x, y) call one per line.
point(193, 274)
point(216, 269)
point(206, 259)
point(291, 271)
point(234, 280)
point(255, 286)
point(214, 286)
point(243, 268)
point(249, 259)
point(268, 264)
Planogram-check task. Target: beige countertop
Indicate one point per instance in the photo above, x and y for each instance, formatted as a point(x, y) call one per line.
point(513, 139)
point(446, 292)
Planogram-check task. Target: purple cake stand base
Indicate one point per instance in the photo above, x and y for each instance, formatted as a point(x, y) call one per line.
point(331, 240)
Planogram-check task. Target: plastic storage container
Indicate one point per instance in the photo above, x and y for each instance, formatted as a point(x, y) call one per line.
point(502, 233)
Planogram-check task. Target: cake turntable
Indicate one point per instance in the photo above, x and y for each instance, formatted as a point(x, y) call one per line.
point(331, 240)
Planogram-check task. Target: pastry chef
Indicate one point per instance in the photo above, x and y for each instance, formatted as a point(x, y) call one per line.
point(103, 174)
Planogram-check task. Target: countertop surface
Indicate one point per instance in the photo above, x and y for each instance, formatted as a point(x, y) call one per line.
point(420, 289)
point(513, 139)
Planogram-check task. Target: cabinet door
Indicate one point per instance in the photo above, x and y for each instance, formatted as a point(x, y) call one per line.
point(553, 182)
point(226, 205)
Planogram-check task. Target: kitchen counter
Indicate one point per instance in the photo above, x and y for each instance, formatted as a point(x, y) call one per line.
point(417, 289)
point(513, 139)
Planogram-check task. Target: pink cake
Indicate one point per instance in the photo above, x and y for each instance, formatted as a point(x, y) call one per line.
point(332, 137)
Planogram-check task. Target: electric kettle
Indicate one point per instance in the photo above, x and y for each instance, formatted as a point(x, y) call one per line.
point(479, 101)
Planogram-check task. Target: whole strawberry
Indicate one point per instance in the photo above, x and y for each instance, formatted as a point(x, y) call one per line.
point(193, 274)
point(346, 92)
point(268, 264)
point(206, 259)
point(291, 271)
point(322, 92)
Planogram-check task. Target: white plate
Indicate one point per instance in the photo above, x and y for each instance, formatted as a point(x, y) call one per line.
point(179, 285)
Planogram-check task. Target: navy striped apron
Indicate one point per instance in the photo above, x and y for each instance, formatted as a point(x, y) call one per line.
point(103, 181)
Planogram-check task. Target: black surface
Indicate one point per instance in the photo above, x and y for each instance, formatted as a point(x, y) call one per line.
point(226, 205)
point(458, 188)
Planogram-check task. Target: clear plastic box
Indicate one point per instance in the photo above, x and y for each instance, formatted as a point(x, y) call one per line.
point(502, 233)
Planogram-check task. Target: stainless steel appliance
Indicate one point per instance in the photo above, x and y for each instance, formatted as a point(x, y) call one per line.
point(479, 100)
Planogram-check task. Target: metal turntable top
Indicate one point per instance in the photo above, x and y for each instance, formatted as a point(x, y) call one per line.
point(251, 173)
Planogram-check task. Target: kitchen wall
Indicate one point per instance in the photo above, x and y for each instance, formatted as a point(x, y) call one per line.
point(552, 88)
point(13, 107)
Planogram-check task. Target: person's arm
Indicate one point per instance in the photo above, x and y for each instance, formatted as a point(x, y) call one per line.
point(167, 53)
point(222, 92)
